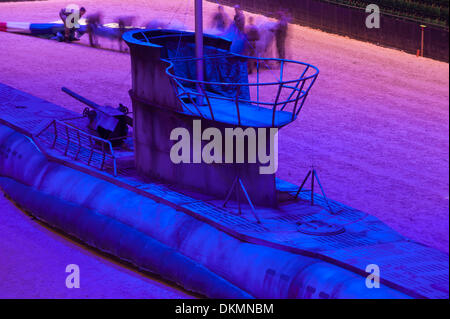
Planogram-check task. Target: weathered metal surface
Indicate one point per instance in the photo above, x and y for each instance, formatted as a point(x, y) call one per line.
point(167, 100)
point(153, 159)
point(284, 263)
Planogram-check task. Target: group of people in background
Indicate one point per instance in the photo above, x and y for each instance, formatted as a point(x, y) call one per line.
point(244, 32)
point(248, 31)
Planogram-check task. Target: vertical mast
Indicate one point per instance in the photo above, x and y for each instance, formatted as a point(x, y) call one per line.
point(199, 38)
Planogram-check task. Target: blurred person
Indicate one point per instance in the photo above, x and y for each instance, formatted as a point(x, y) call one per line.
point(280, 30)
point(220, 20)
point(236, 32)
point(253, 36)
point(93, 22)
point(239, 19)
point(266, 43)
point(124, 22)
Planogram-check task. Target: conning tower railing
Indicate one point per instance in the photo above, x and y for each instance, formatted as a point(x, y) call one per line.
point(265, 98)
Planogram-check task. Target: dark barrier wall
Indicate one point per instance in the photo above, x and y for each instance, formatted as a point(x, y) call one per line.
point(394, 32)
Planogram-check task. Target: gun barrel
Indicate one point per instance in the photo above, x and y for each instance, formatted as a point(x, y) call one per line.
point(80, 98)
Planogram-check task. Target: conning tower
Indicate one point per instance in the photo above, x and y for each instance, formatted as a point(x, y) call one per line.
point(166, 95)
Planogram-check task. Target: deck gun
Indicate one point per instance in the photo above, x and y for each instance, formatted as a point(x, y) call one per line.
point(109, 122)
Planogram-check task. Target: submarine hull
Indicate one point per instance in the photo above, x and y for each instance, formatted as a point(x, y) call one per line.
point(161, 239)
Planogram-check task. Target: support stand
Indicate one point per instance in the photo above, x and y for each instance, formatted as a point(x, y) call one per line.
point(312, 172)
point(234, 187)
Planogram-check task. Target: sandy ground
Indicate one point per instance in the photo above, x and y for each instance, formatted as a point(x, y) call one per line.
point(34, 259)
point(375, 125)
